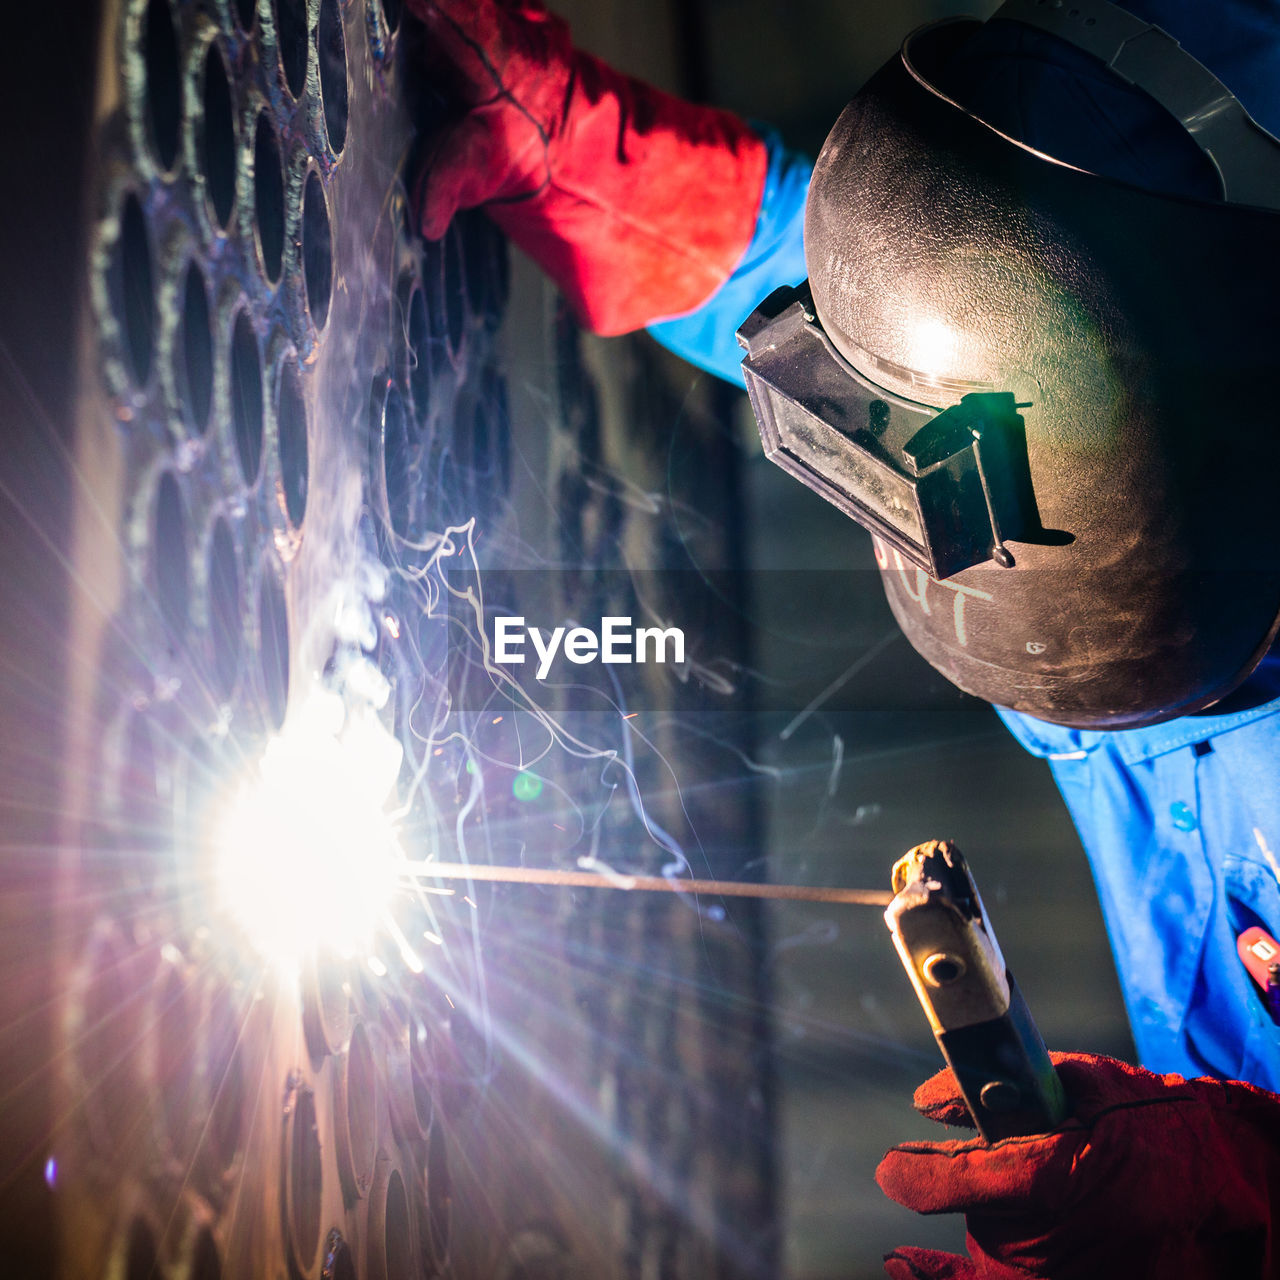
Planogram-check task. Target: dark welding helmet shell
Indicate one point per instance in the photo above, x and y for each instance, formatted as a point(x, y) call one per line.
point(1139, 334)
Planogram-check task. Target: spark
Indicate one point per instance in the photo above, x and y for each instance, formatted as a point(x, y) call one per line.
point(411, 959)
point(377, 966)
point(467, 899)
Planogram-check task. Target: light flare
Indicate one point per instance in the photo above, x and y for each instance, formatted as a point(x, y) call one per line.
point(933, 348)
point(306, 857)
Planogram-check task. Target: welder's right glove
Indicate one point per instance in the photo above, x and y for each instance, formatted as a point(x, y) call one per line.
point(637, 204)
point(1153, 1176)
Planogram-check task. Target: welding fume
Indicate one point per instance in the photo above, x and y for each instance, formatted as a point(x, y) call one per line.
point(1019, 321)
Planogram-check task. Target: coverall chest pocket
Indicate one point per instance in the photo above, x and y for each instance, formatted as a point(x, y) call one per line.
point(1253, 898)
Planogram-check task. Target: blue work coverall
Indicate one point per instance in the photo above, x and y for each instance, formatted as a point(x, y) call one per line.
point(1181, 821)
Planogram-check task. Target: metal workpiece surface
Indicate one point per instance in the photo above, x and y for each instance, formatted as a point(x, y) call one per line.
point(291, 411)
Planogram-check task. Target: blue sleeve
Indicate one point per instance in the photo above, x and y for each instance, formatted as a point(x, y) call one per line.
point(774, 257)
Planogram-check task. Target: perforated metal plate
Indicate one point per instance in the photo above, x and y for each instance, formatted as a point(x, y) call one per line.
point(283, 388)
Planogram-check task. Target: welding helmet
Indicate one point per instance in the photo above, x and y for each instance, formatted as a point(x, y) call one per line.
point(1049, 394)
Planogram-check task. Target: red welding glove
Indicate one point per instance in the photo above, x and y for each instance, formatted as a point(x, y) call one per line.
point(638, 205)
point(1153, 1176)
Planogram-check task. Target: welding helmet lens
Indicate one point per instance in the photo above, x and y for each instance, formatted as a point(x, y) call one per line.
point(943, 489)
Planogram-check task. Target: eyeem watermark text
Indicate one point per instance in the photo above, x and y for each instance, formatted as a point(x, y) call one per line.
point(616, 642)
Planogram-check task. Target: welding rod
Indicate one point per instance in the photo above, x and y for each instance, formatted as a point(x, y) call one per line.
point(647, 884)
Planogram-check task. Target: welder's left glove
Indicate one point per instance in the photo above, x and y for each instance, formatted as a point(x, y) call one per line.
point(1153, 1176)
point(638, 204)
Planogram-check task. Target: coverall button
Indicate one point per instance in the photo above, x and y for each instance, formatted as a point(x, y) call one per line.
point(1183, 817)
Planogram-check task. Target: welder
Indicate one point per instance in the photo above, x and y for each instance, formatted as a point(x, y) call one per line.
point(1034, 356)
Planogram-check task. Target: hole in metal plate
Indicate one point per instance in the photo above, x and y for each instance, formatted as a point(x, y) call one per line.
point(141, 1261)
point(317, 250)
point(304, 1177)
point(164, 82)
point(362, 1095)
point(130, 290)
point(195, 369)
point(291, 426)
point(205, 1263)
point(268, 198)
point(291, 42)
point(169, 549)
point(408, 1082)
point(478, 250)
point(218, 139)
point(332, 50)
point(246, 395)
point(397, 1235)
point(485, 265)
